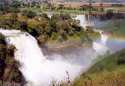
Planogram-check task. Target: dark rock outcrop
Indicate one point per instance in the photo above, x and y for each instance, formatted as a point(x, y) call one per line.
point(9, 71)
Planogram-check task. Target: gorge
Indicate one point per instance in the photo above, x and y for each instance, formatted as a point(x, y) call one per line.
point(35, 67)
point(39, 69)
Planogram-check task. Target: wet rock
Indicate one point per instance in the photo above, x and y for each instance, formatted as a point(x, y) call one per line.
point(9, 71)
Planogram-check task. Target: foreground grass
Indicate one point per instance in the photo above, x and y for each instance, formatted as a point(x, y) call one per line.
point(110, 71)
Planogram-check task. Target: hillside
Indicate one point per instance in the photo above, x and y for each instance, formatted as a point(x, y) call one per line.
point(110, 72)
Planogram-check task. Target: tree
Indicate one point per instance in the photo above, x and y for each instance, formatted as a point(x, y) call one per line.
point(90, 6)
point(109, 13)
point(16, 3)
point(1, 6)
point(101, 7)
point(4, 5)
point(29, 13)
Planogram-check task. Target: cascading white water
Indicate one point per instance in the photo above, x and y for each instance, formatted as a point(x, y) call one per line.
point(100, 45)
point(49, 14)
point(104, 37)
point(37, 70)
point(83, 21)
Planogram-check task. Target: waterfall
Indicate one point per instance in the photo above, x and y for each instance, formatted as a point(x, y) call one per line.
point(84, 21)
point(36, 68)
point(100, 45)
point(104, 38)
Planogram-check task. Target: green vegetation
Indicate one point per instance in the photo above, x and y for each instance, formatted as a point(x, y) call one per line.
point(109, 71)
point(116, 26)
point(60, 27)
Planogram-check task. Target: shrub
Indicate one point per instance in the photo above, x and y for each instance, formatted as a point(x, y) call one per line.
point(29, 13)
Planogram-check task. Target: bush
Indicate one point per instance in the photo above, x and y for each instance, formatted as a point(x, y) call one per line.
point(16, 3)
point(2, 39)
point(109, 13)
point(29, 13)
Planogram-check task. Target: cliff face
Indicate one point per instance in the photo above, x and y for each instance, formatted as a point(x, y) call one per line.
point(8, 66)
point(2, 55)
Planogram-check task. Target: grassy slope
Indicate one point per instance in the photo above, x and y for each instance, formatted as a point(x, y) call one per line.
point(116, 26)
point(110, 71)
